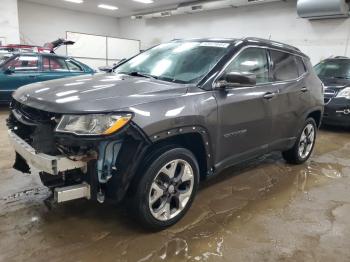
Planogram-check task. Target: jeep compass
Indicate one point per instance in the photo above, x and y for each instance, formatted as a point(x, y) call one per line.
point(164, 120)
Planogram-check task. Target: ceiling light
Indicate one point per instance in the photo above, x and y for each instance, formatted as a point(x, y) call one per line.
point(75, 1)
point(109, 7)
point(144, 1)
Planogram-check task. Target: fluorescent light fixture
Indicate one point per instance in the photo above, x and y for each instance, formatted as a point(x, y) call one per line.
point(109, 7)
point(75, 1)
point(144, 1)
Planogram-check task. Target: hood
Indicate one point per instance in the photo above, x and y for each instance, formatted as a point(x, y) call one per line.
point(336, 82)
point(98, 93)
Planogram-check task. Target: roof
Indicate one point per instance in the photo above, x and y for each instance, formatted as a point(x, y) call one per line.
point(35, 53)
point(260, 41)
point(224, 40)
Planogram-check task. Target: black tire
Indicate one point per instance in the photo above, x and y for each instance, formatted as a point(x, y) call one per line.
point(292, 155)
point(139, 204)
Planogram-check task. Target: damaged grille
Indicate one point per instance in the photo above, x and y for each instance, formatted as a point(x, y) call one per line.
point(34, 126)
point(32, 114)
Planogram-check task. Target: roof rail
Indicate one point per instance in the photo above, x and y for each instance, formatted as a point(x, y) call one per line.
point(267, 41)
point(341, 57)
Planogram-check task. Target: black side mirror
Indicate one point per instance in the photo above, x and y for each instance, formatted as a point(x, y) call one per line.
point(106, 69)
point(235, 79)
point(9, 71)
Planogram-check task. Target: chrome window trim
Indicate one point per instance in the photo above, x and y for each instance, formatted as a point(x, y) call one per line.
point(262, 47)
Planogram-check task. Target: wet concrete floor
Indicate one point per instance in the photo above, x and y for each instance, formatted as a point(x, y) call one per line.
point(264, 210)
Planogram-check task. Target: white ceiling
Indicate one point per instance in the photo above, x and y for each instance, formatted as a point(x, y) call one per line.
point(126, 7)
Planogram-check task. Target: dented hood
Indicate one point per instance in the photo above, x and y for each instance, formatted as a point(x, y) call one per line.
point(98, 93)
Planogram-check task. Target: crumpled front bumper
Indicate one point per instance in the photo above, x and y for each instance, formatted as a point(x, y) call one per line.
point(49, 164)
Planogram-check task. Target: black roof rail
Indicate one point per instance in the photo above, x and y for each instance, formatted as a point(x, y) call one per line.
point(341, 57)
point(272, 42)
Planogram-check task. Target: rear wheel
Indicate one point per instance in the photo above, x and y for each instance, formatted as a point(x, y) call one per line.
point(304, 145)
point(167, 188)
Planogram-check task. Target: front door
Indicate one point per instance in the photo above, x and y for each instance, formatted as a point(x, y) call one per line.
point(245, 112)
point(19, 71)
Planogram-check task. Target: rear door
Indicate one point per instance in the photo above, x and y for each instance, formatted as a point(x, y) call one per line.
point(245, 112)
point(24, 70)
point(288, 72)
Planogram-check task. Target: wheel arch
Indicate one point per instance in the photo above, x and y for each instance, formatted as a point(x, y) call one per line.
point(195, 139)
point(316, 115)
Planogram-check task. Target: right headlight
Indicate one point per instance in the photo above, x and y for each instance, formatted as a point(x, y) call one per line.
point(93, 124)
point(344, 93)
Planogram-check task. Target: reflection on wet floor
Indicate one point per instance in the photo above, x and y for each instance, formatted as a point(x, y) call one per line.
point(263, 210)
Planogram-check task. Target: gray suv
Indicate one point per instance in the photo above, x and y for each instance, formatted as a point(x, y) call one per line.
point(164, 120)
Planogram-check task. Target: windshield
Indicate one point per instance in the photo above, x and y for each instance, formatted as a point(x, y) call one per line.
point(334, 68)
point(181, 62)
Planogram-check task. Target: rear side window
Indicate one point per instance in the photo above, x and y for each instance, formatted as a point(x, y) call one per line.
point(55, 64)
point(300, 65)
point(284, 66)
point(252, 60)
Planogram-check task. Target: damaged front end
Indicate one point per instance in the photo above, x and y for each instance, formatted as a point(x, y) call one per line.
point(75, 165)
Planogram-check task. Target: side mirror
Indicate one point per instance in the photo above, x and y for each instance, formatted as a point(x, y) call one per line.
point(234, 79)
point(9, 71)
point(106, 69)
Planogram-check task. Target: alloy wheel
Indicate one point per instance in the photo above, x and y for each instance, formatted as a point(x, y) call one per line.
point(306, 142)
point(171, 190)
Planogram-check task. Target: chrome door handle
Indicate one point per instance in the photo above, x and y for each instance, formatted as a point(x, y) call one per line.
point(304, 89)
point(269, 95)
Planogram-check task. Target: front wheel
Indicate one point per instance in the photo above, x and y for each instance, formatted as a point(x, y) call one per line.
point(304, 145)
point(167, 188)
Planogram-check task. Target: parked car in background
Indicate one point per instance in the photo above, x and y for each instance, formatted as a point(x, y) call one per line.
point(25, 68)
point(335, 75)
point(8, 50)
point(165, 119)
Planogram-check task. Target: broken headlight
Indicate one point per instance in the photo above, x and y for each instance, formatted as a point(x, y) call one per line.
point(93, 124)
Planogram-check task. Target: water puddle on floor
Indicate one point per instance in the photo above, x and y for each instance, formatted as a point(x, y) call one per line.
point(216, 226)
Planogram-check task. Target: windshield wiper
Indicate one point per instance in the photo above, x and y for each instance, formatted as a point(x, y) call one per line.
point(135, 73)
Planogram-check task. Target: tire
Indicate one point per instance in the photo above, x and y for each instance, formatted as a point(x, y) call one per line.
point(303, 147)
point(157, 195)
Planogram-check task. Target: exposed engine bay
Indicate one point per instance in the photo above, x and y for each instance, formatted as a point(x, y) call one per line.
point(90, 167)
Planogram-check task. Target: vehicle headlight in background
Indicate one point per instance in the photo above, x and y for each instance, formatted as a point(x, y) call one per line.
point(344, 93)
point(93, 124)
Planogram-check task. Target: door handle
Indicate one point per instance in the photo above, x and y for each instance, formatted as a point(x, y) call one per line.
point(304, 89)
point(269, 95)
point(32, 76)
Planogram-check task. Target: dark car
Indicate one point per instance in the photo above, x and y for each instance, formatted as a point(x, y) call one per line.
point(335, 75)
point(25, 68)
point(176, 114)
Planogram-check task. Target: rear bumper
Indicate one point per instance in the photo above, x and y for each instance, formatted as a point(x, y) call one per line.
point(49, 164)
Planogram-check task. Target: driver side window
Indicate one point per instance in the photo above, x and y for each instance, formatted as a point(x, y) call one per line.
point(23, 63)
point(253, 61)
